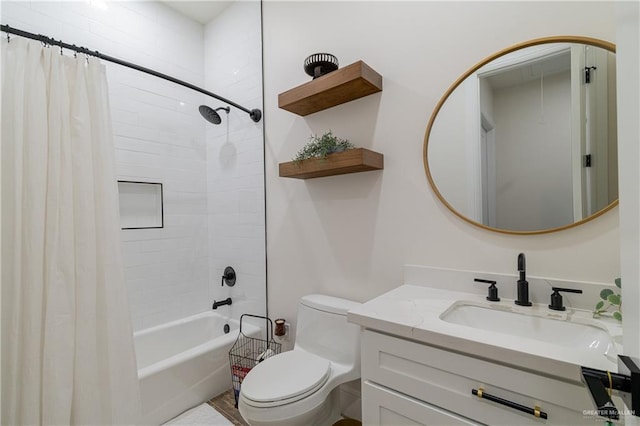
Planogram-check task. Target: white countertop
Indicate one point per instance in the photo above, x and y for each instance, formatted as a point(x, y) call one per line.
point(414, 312)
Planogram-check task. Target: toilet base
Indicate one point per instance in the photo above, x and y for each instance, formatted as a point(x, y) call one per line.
point(324, 414)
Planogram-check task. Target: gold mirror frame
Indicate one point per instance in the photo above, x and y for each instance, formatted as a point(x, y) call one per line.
point(545, 40)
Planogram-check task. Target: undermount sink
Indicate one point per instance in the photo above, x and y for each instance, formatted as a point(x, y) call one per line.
point(562, 330)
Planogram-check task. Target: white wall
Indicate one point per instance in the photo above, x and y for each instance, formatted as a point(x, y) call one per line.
point(533, 154)
point(628, 91)
point(449, 139)
point(350, 235)
point(486, 100)
point(235, 167)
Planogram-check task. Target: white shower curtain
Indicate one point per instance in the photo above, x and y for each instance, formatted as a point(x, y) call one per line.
point(67, 344)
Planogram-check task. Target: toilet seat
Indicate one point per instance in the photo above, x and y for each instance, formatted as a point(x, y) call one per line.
point(269, 385)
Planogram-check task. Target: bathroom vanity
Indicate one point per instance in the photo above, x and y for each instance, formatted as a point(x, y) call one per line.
point(434, 355)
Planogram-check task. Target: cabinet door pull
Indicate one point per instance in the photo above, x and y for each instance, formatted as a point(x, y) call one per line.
point(533, 411)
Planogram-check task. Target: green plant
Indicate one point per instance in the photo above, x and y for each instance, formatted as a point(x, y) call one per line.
point(320, 147)
point(613, 300)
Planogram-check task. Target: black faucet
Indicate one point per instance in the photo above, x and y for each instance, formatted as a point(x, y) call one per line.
point(226, 301)
point(492, 295)
point(523, 285)
point(556, 298)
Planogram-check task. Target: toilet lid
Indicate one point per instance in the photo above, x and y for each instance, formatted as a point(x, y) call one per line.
point(286, 376)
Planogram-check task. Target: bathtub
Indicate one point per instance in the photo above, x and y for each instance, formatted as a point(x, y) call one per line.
point(184, 363)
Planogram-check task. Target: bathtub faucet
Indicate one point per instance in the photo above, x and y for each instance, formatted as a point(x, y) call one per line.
point(226, 301)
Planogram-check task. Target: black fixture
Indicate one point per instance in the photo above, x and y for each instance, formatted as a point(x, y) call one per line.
point(626, 382)
point(492, 295)
point(631, 397)
point(319, 64)
point(226, 329)
point(255, 114)
point(556, 297)
point(535, 411)
point(523, 285)
point(211, 115)
point(229, 277)
point(587, 74)
point(226, 301)
point(594, 381)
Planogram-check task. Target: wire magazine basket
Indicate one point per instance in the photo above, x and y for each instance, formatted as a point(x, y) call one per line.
point(247, 352)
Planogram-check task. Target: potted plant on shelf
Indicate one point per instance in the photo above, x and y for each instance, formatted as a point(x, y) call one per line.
point(321, 146)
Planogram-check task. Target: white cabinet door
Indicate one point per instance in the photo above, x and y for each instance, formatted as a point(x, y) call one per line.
point(446, 379)
point(384, 407)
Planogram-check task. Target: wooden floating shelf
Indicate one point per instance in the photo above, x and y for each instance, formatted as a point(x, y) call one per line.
point(339, 163)
point(342, 85)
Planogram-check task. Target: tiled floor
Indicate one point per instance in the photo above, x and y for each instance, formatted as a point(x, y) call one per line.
point(225, 404)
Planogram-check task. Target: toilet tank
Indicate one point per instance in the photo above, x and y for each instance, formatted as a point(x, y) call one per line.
point(323, 329)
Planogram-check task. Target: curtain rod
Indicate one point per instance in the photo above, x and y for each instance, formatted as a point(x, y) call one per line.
point(255, 114)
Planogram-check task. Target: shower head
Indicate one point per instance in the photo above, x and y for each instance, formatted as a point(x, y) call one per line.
point(211, 115)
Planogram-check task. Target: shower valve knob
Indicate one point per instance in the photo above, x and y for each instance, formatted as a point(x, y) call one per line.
point(229, 277)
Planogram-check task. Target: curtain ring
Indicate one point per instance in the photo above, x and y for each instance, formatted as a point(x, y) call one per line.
point(8, 38)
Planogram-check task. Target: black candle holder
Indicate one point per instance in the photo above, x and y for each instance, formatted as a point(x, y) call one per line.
point(319, 64)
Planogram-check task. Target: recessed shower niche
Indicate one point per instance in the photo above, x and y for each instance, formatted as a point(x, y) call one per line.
point(140, 205)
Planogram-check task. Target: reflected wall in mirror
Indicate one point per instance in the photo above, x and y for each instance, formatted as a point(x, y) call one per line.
point(525, 141)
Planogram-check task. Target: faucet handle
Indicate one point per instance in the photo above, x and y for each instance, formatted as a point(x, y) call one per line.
point(556, 297)
point(229, 277)
point(492, 290)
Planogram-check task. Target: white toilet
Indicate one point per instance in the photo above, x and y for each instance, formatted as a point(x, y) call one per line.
point(300, 387)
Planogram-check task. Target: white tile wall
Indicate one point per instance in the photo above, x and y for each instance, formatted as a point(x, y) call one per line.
point(235, 169)
point(160, 137)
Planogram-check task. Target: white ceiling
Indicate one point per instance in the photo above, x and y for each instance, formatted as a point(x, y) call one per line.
point(199, 11)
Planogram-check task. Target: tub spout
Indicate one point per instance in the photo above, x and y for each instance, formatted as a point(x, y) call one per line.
point(227, 301)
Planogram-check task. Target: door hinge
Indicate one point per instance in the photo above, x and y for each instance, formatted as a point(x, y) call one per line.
point(587, 160)
point(587, 74)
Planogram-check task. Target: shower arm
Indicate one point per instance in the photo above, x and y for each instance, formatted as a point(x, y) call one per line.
point(255, 114)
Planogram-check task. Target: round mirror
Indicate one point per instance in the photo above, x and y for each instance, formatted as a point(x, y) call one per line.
point(525, 141)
